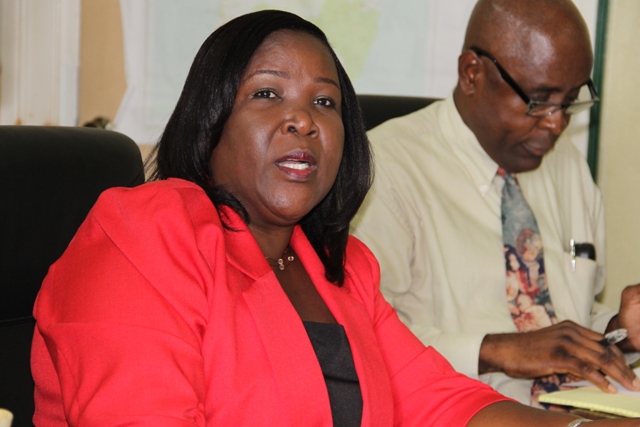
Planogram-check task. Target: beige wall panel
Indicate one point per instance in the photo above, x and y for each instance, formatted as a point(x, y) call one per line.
point(102, 75)
point(619, 168)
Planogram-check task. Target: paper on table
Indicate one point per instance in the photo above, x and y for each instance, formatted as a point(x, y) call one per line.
point(625, 403)
point(616, 384)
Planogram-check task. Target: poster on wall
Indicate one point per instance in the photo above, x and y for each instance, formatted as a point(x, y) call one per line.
point(387, 47)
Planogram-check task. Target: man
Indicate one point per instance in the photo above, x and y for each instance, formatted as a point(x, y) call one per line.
point(434, 217)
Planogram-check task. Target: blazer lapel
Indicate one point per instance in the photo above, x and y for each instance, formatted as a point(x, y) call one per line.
point(292, 357)
point(352, 314)
point(294, 362)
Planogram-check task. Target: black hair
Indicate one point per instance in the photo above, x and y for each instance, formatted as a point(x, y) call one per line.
point(195, 127)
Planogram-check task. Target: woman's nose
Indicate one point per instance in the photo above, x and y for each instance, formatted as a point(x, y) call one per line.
point(300, 120)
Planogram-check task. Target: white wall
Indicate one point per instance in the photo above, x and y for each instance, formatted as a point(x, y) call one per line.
point(387, 47)
point(39, 45)
point(619, 162)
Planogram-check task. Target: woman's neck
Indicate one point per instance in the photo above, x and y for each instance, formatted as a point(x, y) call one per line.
point(273, 241)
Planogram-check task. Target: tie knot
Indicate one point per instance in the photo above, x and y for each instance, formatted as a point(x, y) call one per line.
point(507, 175)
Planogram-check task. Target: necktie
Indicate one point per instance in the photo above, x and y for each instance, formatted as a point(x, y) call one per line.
point(527, 291)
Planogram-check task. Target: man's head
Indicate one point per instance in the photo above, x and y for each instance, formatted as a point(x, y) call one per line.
point(544, 48)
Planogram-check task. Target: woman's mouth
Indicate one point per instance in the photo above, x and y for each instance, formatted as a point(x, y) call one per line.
point(294, 165)
point(297, 164)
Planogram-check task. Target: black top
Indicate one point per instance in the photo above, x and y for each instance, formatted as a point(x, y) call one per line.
point(336, 361)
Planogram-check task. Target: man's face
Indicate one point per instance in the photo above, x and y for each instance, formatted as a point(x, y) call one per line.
point(549, 71)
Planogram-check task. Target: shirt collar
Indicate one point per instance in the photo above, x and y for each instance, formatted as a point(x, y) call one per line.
point(480, 167)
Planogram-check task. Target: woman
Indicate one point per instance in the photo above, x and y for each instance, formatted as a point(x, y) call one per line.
point(228, 292)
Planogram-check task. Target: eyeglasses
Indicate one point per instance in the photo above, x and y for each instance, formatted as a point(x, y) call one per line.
point(542, 108)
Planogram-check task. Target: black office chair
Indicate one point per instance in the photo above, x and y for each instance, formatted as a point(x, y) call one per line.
point(377, 109)
point(49, 179)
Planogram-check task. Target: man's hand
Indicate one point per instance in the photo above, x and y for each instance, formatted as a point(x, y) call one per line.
point(565, 348)
point(629, 318)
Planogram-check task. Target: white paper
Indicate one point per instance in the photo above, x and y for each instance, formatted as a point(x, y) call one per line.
point(616, 384)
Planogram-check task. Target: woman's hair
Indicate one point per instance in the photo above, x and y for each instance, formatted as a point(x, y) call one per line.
point(195, 127)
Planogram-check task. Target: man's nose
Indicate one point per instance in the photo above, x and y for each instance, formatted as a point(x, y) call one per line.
point(556, 122)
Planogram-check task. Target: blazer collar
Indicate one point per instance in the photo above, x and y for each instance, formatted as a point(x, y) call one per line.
point(283, 333)
point(243, 252)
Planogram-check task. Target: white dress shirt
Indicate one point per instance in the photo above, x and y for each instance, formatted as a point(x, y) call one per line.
point(432, 219)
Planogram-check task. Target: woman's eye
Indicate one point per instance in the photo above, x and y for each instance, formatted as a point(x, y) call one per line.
point(264, 93)
point(325, 102)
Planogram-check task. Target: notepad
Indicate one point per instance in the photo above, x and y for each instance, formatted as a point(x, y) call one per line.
point(624, 403)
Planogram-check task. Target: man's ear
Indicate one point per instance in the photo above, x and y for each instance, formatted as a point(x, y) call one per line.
point(469, 67)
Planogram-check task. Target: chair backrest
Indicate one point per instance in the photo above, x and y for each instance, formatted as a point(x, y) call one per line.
point(377, 109)
point(49, 179)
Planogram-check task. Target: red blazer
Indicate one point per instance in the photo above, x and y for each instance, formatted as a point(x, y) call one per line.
point(158, 315)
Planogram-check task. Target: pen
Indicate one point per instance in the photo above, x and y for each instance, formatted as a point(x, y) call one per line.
point(572, 244)
point(613, 337)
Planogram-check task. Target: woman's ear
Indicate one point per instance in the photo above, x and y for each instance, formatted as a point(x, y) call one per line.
point(469, 67)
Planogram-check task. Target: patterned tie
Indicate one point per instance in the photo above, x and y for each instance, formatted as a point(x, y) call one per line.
point(527, 292)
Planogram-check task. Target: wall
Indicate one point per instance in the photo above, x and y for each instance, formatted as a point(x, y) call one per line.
point(102, 86)
point(102, 80)
point(39, 43)
point(619, 161)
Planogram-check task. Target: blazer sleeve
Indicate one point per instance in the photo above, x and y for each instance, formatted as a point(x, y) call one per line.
point(122, 315)
point(426, 389)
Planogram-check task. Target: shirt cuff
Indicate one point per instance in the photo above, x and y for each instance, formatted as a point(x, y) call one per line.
point(462, 350)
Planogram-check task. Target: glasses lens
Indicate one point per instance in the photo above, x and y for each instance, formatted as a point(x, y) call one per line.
point(582, 103)
point(542, 109)
point(579, 106)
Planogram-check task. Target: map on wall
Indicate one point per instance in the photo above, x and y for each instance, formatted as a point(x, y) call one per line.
point(407, 47)
point(386, 47)
point(381, 43)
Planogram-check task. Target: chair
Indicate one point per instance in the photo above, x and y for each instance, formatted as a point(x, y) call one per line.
point(49, 179)
point(380, 108)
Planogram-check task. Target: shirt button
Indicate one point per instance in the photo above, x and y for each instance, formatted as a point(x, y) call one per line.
point(484, 188)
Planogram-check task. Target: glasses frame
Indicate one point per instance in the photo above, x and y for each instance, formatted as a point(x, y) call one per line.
point(568, 107)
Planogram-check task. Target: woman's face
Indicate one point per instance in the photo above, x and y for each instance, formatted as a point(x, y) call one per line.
point(281, 148)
